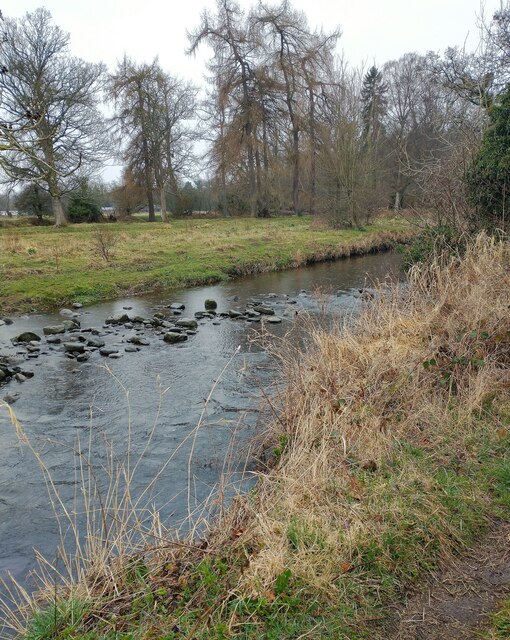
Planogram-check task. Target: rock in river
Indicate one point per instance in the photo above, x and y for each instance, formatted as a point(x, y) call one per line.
point(187, 323)
point(74, 347)
point(267, 311)
point(27, 336)
point(172, 337)
point(53, 329)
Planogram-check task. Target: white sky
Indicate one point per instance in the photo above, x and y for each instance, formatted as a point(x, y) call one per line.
point(372, 30)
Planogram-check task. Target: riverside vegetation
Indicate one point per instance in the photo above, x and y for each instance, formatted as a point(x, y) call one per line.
point(388, 453)
point(43, 267)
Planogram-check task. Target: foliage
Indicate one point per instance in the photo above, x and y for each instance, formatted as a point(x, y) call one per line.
point(489, 178)
point(433, 242)
point(83, 205)
point(34, 201)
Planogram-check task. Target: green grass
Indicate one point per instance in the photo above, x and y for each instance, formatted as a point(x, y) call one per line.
point(44, 267)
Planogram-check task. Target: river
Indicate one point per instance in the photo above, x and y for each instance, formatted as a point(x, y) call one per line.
point(67, 400)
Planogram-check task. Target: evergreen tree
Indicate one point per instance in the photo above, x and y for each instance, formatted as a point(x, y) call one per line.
point(373, 103)
point(489, 177)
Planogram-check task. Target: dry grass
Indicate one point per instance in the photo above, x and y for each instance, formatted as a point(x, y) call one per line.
point(415, 367)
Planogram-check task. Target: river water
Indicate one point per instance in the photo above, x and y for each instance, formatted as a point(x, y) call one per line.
point(167, 383)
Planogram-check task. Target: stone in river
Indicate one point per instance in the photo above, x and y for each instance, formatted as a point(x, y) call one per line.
point(210, 305)
point(273, 319)
point(71, 324)
point(96, 343)
point(108, 351)
point(27, 336)
point(188, 323)
point(177, 306)
point(74, 347)
point(172, 337)
point(54, 329)
point(264, 310)
point(139, 340)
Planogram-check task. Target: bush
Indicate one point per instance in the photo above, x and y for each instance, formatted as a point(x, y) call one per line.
point(433, 243)
point(489, 178)
point(83, 207)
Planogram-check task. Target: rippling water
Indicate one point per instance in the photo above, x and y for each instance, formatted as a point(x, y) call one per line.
point(67, 400)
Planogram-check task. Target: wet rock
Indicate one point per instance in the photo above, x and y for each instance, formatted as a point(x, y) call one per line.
point(273, 319)
point(127, 308)
point(187, 323)
point(20, 377)
point(253, 319)
point(191, 332)
point(32, 348)
point(251, 313)
point(177, 306)
point(3, 375)
point(235, 314)
point(272, 295)
point(77, 305)
point(131, 349)
point(117, 319)
point(54, 329)
point(11, 398)
point(216, 323)
point(70, 325)
point(83, 357)
point(74, 347)
point(267, 311)
point(159, 315)
point(138, 319)
point(27, 336)
point(7, 321)
point(116, 355)
point(172, 337)
point(177, 313)
point(128, 325)
point(210, 305)
point(97, 343)
point(108, 351)
point(139, 340)
point(68, 313)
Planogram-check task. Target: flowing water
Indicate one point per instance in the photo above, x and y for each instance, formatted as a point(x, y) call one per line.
point(167, 383)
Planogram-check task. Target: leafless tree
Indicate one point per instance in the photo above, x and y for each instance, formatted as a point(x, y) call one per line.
point(50, 126)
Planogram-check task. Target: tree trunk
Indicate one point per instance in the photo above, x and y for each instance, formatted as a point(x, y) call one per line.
point(295, 176)
point(58, 211)
point(162, 199)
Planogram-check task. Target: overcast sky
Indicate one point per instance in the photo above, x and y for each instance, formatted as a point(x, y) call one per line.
point(372, 30)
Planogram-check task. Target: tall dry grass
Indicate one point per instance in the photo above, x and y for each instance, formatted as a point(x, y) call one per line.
point(413, 368)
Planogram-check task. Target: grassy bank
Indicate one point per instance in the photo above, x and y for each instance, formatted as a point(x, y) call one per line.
point(388, 454)
point(43, 267)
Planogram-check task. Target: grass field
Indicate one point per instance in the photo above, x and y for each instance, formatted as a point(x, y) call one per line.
point(43, 267)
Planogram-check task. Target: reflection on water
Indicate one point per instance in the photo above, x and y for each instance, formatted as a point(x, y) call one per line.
point(162, 383)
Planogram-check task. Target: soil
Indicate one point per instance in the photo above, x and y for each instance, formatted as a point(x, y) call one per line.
point(456, 601)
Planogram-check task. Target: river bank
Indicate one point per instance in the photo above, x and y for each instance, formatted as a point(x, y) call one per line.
point(44, 267)
point(388, 453)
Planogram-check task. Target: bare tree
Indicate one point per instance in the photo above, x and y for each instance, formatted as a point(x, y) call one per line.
point(50, 126)
point(228, 34)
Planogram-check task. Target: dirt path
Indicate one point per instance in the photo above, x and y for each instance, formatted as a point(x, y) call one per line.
point(456, 601)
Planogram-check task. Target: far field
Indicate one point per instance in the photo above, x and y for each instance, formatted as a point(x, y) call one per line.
point(43, 267)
